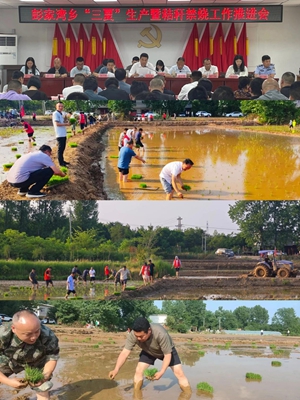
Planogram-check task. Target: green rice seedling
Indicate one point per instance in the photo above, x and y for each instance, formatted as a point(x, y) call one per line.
point(80, 131)
point(99, 343)
point(21, 142)
point(12, 288)
point(57, 180)
point(14, 149)
point(205, 387)
point(296, 345)
point(7, 166)
point(73, 145)
point(130, 288)
point(251, 375)
point(227, 345)
point(18, 156)
point(272, 346)
point(72, 120)
point(113, 156)
point(117, 293)
point(95, 346)
point(5, 294)
point(69, 135)
point(149, 373)
point(278, 352)
point(276, 364)
point(64, 170)
point(201, 353)
point(136, 176)
point(76, 298)
point(143, 185)
point(33, 375)
point(186, 187)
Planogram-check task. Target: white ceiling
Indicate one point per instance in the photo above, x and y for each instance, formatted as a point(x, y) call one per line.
point(137, 3)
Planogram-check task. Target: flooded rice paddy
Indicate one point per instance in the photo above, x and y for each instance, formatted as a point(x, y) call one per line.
point(228, 164)
point(83, 369)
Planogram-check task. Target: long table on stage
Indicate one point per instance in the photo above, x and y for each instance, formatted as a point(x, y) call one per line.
point(55, 86)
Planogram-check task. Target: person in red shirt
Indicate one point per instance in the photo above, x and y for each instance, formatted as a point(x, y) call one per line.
point(145, 272)
point(106, 272)
point(28, 129)
point(177, 265)
point(48, 277)
point(164, 116)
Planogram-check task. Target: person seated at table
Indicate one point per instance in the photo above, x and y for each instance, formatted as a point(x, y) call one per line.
point(20, 77)
point(270, 90)
point(266, 68)
point(237, 68)
point(80, 68)
point(223, 93)
point(120, 74)
point(207, 84)
point(90, 88)
point(77, 96)
point(58, 69)
point(109, 68)
point(295, 92)
point(243, 91)
point(112, 91)
point(198, 93)
point(30, 68)
point(14, 91)
point(134, 60)
point(194, 78)
point(256, 88)
point(287, 79)
point(77, 85)
point(156, 87)
point(142, 67)
point(166, 91)
point(209, 70)
point(136, 88)
point(160, 67)
point(180, 68)
point(34, 84)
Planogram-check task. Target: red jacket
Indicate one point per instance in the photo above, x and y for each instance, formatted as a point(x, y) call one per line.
point(177, 263)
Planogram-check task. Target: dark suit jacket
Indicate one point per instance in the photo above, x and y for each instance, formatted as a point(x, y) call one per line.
point(162, 96)
point(36, 95)
point(285, 91)
point(113, 93)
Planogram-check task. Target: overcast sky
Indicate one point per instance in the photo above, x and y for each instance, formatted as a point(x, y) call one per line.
point(165, 213)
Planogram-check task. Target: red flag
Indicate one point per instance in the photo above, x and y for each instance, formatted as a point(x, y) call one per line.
point(58, 44)
point(191, 52)
point(242, 44)
point(204, 48)
point(95, 49)
point(82, 44)
point(109, 49)
point(218, 46)
point(22, 111)
point(70, 53)
point(230, 47)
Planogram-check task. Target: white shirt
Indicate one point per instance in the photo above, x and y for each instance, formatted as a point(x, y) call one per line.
point(142, 71)
point(92, 273)
point(24, 88)
point(230, 71)
point(60, 131)
point(29, 72)
point(71, 89)
point(85, 70)
point(212, 71)
point(185, 90)
point(124, 273)
point(173, 168)
point(175, 70)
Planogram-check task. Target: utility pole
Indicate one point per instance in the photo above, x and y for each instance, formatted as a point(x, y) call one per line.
point(179, 225)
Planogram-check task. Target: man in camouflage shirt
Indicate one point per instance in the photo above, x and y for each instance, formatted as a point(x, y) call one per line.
point(25, 341)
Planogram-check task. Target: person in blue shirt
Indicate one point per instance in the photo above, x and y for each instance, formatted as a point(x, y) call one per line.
point(125, 156)
point(266, 68)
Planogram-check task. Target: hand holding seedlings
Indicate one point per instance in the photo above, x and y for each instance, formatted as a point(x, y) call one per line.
point(16, 383)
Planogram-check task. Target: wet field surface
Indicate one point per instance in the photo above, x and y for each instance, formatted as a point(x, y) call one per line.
point(228, 164)
point(84, 366)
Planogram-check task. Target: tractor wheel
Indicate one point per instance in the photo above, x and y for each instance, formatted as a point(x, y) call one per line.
point(261, 271)
point(283, 272)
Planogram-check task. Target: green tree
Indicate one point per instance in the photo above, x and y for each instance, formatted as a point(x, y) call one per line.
point(242, 314)
point(85, 214)
point(285, 319)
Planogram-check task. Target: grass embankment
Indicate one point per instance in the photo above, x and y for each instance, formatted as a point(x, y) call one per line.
point(19, 269)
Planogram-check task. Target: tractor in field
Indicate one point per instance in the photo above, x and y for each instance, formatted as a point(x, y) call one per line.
point(271, 267)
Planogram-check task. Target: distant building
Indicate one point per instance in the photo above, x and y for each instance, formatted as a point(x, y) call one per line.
point(42, 310)
point(158, 318)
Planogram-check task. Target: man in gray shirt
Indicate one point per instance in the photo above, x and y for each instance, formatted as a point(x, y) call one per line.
point(32, 171)
point(80, 68)
point(155, 343)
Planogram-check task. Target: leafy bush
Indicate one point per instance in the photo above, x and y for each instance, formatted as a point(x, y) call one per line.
point(205, 387)
point(251, 375)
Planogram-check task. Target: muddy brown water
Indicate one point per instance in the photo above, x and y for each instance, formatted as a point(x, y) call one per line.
point(82, 375)
point(43, 135)
point(228, 164)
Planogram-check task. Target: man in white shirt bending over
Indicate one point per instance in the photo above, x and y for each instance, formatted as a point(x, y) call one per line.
point(209, 70)
point(170, 177)
point(143, 67)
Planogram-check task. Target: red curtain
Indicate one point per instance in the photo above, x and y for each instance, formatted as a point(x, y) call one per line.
point(191, 52)
point(217, 47)
point(95, 49)
point(230, 49)
point(242, 44)
point(109, 49)
point(204, 50)
point(70, 53)
point(58, 45)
